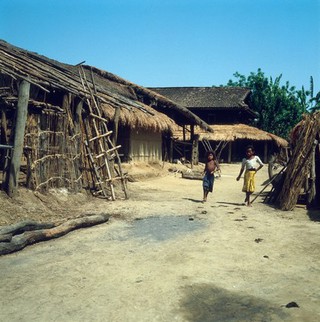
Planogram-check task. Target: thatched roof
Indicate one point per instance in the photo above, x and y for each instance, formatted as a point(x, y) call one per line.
point(221, 98)
point(234, 132)
point(139, 107)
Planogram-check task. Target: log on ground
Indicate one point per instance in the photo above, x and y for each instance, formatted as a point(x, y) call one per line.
point(23, 226)
point(20, 241)
point(192, 175)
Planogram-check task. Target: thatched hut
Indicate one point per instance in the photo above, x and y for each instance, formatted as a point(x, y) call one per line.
point(227, 110)
point(230, 140)
point(73, 125)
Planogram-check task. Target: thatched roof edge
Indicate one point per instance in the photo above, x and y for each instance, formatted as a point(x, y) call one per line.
point(232, 132)
point(158, 98)
point(114, 91)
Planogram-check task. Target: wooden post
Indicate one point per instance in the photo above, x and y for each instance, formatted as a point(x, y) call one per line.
point(3, 138)
point(116, 125)
point(191, 139)
point(317, 172)
point(230, 152)
point(195, 151)
point(78, 146)
point(78, 117)
point(192, 131)
point(311, 192)
point(21, 118)
point(171, 150)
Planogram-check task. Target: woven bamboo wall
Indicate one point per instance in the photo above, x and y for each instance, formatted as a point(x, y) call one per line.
point(53, 155)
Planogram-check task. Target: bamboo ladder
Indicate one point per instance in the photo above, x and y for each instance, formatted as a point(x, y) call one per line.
point(206, 144)
point(102, 153)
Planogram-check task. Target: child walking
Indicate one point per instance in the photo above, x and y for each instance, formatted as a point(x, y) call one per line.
point(251, 164)
point(208, 180)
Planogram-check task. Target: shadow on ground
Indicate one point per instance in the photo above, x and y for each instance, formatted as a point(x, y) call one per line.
point(194, 200)
point(314, 215)
point(230, 203)
point(205, 302)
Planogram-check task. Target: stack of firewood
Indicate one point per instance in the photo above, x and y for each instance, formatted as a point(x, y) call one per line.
point(303, 169)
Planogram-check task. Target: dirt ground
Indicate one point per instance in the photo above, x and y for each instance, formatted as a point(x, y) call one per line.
point(164, 256)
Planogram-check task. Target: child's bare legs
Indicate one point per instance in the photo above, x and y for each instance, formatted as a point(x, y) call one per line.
point(247, 200)
point(205, 194)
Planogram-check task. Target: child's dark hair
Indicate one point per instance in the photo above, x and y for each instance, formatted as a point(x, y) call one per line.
point(250, 147)
point(210, 152)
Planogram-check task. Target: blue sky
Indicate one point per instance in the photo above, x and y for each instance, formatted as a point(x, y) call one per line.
point(173, 42)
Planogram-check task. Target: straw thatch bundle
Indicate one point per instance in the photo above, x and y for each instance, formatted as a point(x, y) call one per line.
point(302, 164)
point(150, 119)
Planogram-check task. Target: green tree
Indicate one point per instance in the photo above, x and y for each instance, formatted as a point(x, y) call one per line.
point(279, 107)
point(314, 101)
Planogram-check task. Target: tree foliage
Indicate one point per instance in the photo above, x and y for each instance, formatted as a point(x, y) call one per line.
point(279, 107)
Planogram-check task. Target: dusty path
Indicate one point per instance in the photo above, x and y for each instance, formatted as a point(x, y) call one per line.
point(168, 257)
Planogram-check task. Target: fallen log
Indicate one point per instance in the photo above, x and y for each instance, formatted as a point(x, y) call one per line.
point(20, 241)
point(192, 175)
point(5, 238)
point(24, 226)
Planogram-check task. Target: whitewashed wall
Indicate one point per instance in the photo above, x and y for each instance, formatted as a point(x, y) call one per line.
point(145, 146)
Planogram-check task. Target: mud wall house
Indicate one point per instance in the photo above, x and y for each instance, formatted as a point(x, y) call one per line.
point(72, 126)
point(227, 111)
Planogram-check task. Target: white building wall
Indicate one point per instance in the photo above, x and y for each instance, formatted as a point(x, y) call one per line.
point(145, 146)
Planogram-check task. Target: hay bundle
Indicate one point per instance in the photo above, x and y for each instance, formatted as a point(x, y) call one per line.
point(301, 165)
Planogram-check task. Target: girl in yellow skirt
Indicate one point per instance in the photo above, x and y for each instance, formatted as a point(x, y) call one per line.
point(251, 165)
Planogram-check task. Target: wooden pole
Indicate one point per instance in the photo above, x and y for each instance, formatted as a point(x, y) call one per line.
point(78, 117)
point(21, 118)
point(317, 170)
point(3, 138)
point(271, 180)
point(192, 131)
point(195, 151)
point(311, 192)
point(229, 152)
point(192, 142)
point(171, 150)
point(116, 125)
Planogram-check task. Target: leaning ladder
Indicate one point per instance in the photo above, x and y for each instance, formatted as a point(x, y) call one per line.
point(206, 144)
point(101, 152)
